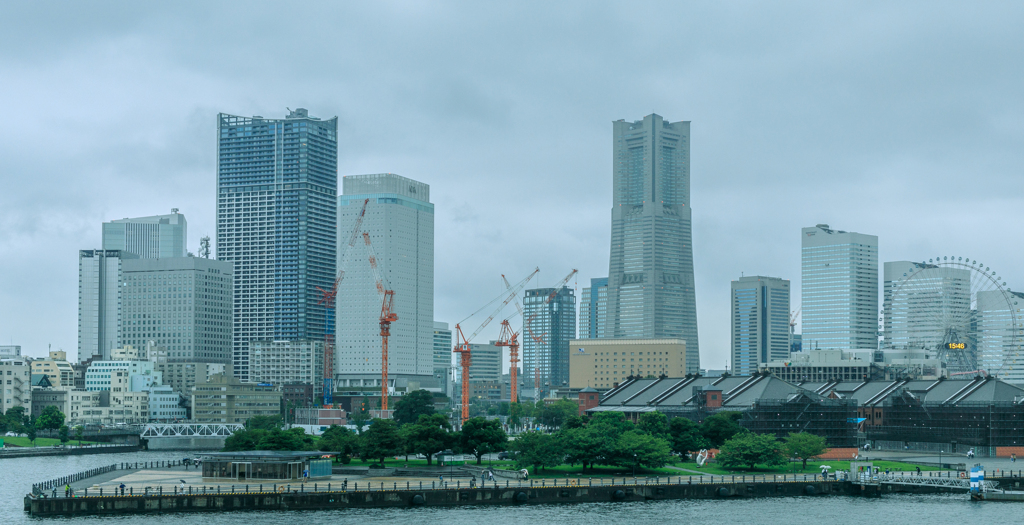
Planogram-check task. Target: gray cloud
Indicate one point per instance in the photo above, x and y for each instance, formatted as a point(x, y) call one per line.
point(902, 120)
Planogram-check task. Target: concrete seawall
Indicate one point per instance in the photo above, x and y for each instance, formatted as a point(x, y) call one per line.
point(69, 451)
point(219, 502)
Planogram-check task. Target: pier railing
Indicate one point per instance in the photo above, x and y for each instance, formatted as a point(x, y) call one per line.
point(59, 483)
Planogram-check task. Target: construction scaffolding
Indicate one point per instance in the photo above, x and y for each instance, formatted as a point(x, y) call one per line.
point(833, 419)
point(980, 424)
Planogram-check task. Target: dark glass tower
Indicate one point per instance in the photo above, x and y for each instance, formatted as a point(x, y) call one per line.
point(277, 187)
point(650, 274)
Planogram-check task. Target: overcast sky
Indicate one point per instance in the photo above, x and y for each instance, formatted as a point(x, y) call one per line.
point(899, 119)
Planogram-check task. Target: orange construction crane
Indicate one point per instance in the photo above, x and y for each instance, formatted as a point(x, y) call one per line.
point(327, 298)
point(510, 338)
point(387, 316)
point(540, 339)
point(462, 342)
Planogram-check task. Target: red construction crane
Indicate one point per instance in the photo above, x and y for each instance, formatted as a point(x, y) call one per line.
point(387, 316)
point(462, 342)
point(510, 338)
point(327, 298)
point(540, 339)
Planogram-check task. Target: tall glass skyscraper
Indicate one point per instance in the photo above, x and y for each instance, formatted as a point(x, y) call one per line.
point(594, 309)
point(999, 314)
point(839, 289)
point(650, 274)
point(155, 237)
point(922, 301)
point(760, 323)
point(546, 340)
point(277, 185)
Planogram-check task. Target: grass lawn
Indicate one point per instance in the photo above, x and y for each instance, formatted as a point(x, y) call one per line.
point(40, 442)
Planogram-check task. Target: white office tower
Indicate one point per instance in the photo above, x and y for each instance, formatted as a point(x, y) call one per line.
point(99, 302)
point(760, 323)
point(156, 237)
point(443, 357)
point(839, 289)
point(400, 222)
point(1000, 338)
point(922, 302)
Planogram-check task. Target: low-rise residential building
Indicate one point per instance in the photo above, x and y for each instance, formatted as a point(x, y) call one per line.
point(604, 363)
point(108, 408)
point(225, 399)
point(57, 368)
point(165, 405)
point(16, 387)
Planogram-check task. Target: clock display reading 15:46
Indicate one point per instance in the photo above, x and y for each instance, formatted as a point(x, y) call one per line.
point(956, 346)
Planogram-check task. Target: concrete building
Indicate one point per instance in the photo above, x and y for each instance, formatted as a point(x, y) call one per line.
point(485, 362)
point(224, 399)
point(553, 322)
point(99, 302)
point(108, 408)
point(44, 397)
point(299, 395)
point(443, 366)
point(156, 237)
point(999, 349)
point(56, 368)
point(121, 376)
point(16, 387)
point(183, 304)
point(283, 362)
point(760, 323)
point(839, 289)
point(650, 271)
point(604, 363)
point(7, 351)
point(400, 222)
point(594, 309)
point(277, 181)
point(826, 365)
point(165, 404)
point(182, 377)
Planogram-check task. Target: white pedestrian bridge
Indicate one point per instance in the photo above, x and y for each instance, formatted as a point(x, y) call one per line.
point(188, 436)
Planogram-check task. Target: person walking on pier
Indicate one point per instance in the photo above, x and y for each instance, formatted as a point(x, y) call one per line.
point(121, 486)
point(67, 491)
point(55, 492)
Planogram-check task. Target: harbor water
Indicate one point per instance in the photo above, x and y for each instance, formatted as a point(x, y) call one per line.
point(17, 476)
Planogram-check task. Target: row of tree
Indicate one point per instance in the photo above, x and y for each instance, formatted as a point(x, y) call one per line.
point(383, 438)
point(16, 420)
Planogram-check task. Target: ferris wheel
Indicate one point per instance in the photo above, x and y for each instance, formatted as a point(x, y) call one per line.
point(960, 310)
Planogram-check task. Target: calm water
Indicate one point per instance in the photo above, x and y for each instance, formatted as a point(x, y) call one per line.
point(17, 476)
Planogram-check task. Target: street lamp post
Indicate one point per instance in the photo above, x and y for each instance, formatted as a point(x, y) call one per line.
point(634, 465)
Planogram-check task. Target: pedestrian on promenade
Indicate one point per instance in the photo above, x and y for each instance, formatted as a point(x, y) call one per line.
point(121, 486)
point(55, 491)
point(1013, 457)
point(67, 491)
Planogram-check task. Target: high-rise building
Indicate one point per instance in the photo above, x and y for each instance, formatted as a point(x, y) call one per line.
point(399, 220)
point(277, 184)
point(839, 289)
point(760, 323)
point(485, 362)
point(999, 349)
point(99, 302)
point(182, 304)
point(920, 301)
point(156, 237)
point(552, 324)
point(443, 357)
point(594, 309)
point(650, 271)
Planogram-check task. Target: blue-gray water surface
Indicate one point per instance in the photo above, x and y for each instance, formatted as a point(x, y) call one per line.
point(17, 476)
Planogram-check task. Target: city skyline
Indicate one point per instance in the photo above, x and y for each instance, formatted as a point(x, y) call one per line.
point(873, 147)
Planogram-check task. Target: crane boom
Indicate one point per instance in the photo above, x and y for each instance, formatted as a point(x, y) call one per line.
point(510, 338)
point(387, 316)
point(327, 298)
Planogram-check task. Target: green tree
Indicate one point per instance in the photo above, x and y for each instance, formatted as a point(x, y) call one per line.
point(429, 435)
point(340, 440)
point(554, 415)
point(481, 436)
point(721, 427)
point(79, 431)
point(750, 449)
point(244, 440)
point(685, 437)
point(582, 445)
point(640, 449)
point(15, 419)
point(538, 450)
point(32, 434)
point(381, 440)
point(51, 418)
point(516, 413)
point(63, 434)
point(804, 445)
point(411, 406)
point(291, 439)
point(654, 424)
point(263, 423)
